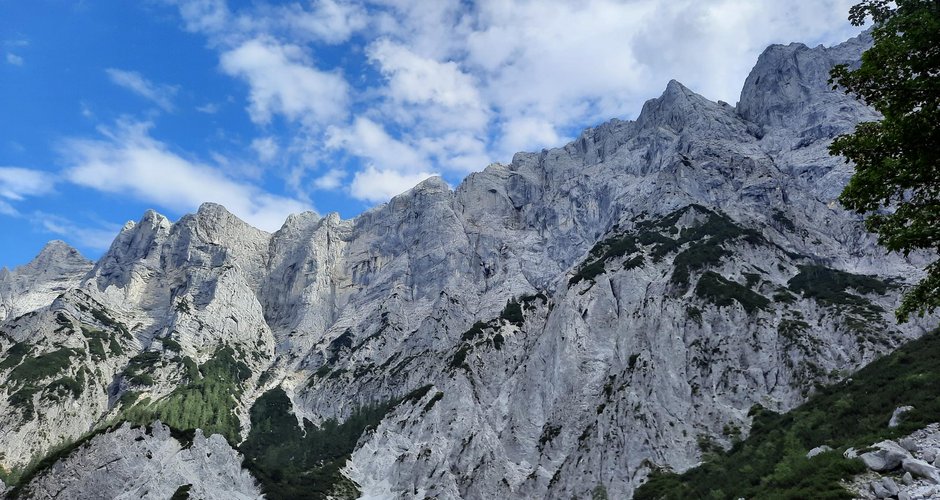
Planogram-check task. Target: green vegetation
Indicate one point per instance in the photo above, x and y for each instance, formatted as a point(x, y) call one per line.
point(706, 245)
point(772, 463)
point(139, 369)
point(182, 493)
point(111, 323)
point(830, 287)
point(295, 462)
point(549, 433)
point(513, 313)
point(14, 355)
point(33, 370)
point(205, 402)
point(97, 340)
point(722, 292)
point(897, 159)
point(610, 248)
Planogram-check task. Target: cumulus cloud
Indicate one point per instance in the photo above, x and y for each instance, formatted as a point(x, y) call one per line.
point(130, 161)
point(464, 83)
point(283, 81)
point(266, 148)
point(367, 139)
point(377, 185)
point(332, 179)
point(160, 94)
point(14, 59)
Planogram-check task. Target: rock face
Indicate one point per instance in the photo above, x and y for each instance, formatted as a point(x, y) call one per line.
point(147, 463)
point(574, 318)
point(57, 268)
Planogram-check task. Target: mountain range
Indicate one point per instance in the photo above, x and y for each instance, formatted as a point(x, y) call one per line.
point(561, 326)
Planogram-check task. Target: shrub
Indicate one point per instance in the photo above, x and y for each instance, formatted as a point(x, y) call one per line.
point(723, 293)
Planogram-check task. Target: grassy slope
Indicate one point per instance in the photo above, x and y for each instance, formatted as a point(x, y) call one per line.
point(771, 463)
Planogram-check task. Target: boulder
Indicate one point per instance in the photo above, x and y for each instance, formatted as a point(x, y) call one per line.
point(850, 453)
point(922, 469)
point(879, 490)
point(907, 479)
point(890, 486)
point(903, 496)
point(898, 413)
point(818, 450)
point(929, 454)
point(887, 457)
point(909, 444)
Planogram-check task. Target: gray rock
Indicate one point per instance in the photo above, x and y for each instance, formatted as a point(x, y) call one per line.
point(879, 490)
point(907, 479)
point(904, 496)
point(818, 450)
point(887, 457)
point(134, 462)
point(850, 453)
point(890, 486)
point(897, 415)
point(928, 454)
point(922, 469)
point(909, 444)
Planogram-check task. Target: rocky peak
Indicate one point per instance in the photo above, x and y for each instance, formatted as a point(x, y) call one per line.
point(55, 256)
point(789, 84)
point(679, 109)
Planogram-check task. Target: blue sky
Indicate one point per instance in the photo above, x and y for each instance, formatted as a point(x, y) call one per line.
point(111, 107)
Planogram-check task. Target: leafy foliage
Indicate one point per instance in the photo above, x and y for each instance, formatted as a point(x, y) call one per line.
point(897, 159)
point(772, 463)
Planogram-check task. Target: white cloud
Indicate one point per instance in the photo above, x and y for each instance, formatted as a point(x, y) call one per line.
point(266, 148)
point(210, 108)
point(465, 83)
point(332, 179)
point(14, 59)
point(130, 162)
point(17, 183)
point(376, 185)
point(98, 238)
point(526, 134)
point(283, 81)
point(328, 21)
point(367, 139)
point(160, 94)
point(7, 209)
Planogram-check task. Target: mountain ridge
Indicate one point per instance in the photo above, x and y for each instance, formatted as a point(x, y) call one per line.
point(680, 320)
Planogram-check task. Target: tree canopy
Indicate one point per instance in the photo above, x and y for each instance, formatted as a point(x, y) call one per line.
point(897, 159)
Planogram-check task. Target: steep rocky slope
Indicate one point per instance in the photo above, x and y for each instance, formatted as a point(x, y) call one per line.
point(560, 324)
